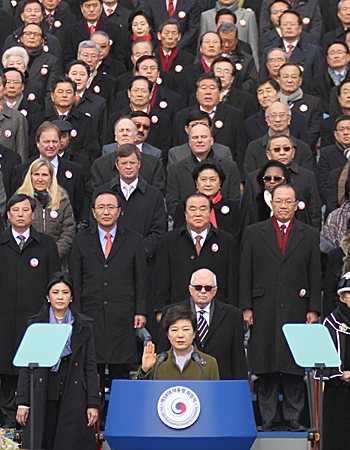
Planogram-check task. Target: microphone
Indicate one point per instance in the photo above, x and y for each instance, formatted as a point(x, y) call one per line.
point(197, 359)
point(162, 357)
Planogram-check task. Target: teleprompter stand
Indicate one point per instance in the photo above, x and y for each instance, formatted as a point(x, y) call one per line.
point(41, 346)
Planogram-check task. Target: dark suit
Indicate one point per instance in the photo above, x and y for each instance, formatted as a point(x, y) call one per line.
point(331, 158)
point(168, 80)
point(257, 127)
point(180, 183)
point(120, 16)
point(279, 289)
point(111, 301)
point(166, 102)
point(7, 25)
point(59, 22)
point(8, 161)
point(327, 130)
point(227, 129)
point(256, 157)
point(104, 170)
point(78, 32)
point(321, 87)
point(146, 148)
point(111, 67)
point(69, 177)
point(332, 190)
point(184, 151)
point(177, 259)
point(82, 142)
point(28, 109)
point(103, 85)
point(159, 133)
point(306, 54)
point(34, 91)
point(245, 65)
point(332, 276)
point(45, 68)
point(187, 81)
point(181, 60)
point(335, 35)
point(224, 340)
point(268, 37)
point(189, 22)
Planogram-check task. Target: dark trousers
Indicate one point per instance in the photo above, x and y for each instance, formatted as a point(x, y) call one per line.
point(293, 396)
point(8, 399)
point(51, 419)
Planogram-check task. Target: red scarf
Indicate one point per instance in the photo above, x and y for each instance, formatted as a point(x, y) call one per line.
point(282, 242)
point(215, 200)
point(147, 37)
point(154, 95)
point(163, 58)
point(205, 65)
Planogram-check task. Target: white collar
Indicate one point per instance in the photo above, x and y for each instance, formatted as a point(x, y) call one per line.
point(25, 234)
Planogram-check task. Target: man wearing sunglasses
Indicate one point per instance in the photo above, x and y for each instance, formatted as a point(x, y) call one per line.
point(282, 148)
point(280, 283)
point(278, 118)
point(219, 326)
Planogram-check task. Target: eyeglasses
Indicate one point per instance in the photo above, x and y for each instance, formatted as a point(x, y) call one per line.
point(141, 125)
point(228, 41)
point(225, 72)
point(14, 82)
point(87, 56)
point(293, 24)
point(281, 115)
point(279, 60)
point(198, 287)
point(278, 149)
point(211, 41)
point(278, 11)
point(136, 91)
point(342, 129)
point(275, 178)
point(336, 52)
point(286, 202)
point(110, 208)
point(32, 33)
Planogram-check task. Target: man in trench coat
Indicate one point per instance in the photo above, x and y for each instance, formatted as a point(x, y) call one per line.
point(280, 282)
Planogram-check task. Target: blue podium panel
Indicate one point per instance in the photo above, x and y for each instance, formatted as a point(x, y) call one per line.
point(225, 422)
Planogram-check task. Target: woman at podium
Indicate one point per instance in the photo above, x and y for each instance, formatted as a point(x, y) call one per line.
point(336, 430)
point(180, 324)
point(66, 396)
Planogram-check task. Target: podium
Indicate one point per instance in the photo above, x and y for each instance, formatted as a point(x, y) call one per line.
point(225, 420)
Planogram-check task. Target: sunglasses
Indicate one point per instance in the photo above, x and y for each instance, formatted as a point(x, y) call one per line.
point(198, 287)
point(276, 178)
point(145, 127)
point(285, 149)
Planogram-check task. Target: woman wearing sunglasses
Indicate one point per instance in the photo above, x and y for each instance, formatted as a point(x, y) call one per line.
point(208, 177)
point(180, 324)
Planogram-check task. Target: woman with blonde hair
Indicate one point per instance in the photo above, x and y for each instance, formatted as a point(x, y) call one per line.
point(53, 213)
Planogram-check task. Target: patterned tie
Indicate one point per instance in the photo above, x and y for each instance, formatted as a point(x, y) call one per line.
point(340, 77)
point(198, 244)
point(171, 10)
point(108, 245)
point(49, 19)
point(282, 228)
point(109, 11)
point(290, 46)
point(22, 241)
point(202, 326)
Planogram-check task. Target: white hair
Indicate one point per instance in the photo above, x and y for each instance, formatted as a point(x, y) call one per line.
point(88, 44)
point(208, 270)
point(15, 51)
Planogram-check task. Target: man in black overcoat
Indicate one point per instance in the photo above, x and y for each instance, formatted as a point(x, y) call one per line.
point(178, 256)
point(224, 339)
point(27, 259)
point(280, 283)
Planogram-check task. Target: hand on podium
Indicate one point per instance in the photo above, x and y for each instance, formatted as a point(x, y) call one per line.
point(149, 357)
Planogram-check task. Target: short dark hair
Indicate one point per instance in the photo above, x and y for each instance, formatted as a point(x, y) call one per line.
point(208, 164)
point(225, 12)
point(179, 312)
point(98, 192)
point(197, 114)
point(169, 22)
point(13, 69)
point(291, 64)
point(339, 43)
point(18, 198)
point(29, 2)
point(143, 58)
point(36, 24)
point(62, 79)
point(208, 76)
point(3, 78)
point(291, 11)
point(223, 59)
point(284, 185)
point(44, 127)
point(76, 62)
point(125, 150)
point(345, 81)
point(137, 114)
point(276, 136)
point(201, 38)
point(81, 2)
point(140, 77)
point(272, 163)
point(140, 12)
point(195, 195)
point(340, 119)
point(141, 40)
point(279, 1)
point(265, 80)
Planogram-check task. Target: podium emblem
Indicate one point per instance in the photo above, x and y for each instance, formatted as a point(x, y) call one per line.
point(178, 407)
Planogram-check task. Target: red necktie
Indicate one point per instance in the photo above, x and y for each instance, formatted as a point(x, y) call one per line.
point(108, 245)
point(49, 16)
point(109, 11)
point(171, 10)
point(77, 97)
point(92, 29)
point(198, 244)
point(290, 46)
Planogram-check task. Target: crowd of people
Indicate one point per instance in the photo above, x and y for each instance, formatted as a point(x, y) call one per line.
point(172, 151)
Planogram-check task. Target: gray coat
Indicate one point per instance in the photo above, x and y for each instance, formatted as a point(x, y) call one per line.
point(184, 151)
point(14, 131)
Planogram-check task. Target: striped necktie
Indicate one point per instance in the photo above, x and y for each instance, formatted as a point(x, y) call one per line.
point(202, 326)
point(171, 10)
